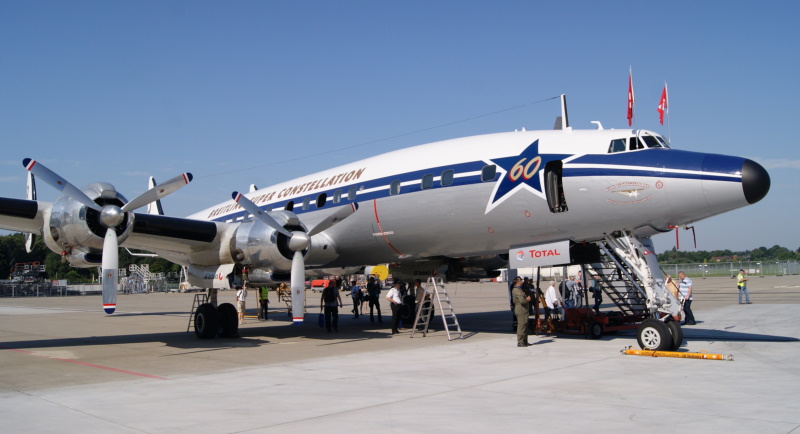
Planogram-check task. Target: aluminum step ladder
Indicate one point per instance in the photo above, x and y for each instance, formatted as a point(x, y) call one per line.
point(198, 300)
point(435, 287)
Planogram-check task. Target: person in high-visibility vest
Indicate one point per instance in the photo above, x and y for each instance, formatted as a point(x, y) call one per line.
point(263, 303)
point(741, 280)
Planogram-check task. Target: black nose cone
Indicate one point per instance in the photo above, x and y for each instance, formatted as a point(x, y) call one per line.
point(755, 181)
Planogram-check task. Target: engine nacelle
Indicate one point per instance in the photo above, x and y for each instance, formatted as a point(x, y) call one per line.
point(256, 245)
point(71, 225)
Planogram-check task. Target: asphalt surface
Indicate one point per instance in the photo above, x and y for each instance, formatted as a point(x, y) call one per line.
point(68, 366)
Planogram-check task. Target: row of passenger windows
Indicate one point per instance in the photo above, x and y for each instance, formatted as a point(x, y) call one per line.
point(636, 143)
point(488, 173)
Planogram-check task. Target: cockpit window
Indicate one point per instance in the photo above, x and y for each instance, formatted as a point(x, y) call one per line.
point(617, 145)
point(635, 144)
point(664, 142)
point(651, 142)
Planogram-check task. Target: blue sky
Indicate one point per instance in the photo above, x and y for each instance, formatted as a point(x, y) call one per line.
point(260, 92)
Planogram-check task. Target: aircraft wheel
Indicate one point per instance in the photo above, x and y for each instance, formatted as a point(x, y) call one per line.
point(594, 330)
point(654, 335)
point(677, 334)
point(206, 321)
point(228, 326)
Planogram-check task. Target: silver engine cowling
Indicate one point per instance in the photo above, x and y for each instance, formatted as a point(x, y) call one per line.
point(259, 246)
point(72, 225)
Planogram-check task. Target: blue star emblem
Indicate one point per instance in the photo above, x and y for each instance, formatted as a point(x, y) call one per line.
point(523, 171)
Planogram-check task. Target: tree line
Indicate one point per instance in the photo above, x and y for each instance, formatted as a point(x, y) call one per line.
point(12, 251)
point(774, 253)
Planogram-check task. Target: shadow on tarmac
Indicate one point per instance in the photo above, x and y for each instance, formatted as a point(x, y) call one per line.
point(352, 330)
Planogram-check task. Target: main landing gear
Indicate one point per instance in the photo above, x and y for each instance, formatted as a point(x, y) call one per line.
point(210, 322)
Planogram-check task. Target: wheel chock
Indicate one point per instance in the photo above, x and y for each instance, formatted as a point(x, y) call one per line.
point(630, 351)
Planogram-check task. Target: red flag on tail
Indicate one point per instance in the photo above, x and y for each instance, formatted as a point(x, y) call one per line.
point(663, 104)
point(630, 98)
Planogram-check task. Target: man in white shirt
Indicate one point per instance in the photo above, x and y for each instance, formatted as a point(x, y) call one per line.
point(395, 299)
point(551, 300)
point(685, 286)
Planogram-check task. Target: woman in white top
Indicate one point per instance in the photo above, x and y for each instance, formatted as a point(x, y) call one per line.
point(241, 296)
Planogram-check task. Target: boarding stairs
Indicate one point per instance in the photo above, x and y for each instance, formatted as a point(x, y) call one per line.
point(632, 262)
point(436, 290)
point(619, 285)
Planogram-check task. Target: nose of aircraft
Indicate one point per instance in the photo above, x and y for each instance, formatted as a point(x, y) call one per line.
point(755, 181)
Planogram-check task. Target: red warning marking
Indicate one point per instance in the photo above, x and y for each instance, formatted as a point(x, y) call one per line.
point(91, 365)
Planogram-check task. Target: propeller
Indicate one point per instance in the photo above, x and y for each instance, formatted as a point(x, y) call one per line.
point(298, 241)
point(30, 194)
point(334, 218)
point(110, 217)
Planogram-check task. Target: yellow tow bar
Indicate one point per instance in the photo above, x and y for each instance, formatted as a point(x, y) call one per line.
point(707, 356)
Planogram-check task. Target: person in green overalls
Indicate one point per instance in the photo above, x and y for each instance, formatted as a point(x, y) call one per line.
point(263, 303)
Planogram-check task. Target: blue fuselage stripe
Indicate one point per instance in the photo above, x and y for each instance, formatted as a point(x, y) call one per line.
point(645, 163)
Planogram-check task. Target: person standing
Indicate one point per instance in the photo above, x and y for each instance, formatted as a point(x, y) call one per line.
point(521, 310)
point(597, 293)
point(241, 297)
point(355, 293)
point(396, 300)
point(685, 287)
point(374, 291)
point(331, 301)
point(551, 301)
point(263, 302)
point(741, 280)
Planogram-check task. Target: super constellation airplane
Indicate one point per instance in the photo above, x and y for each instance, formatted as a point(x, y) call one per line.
point(467, 201)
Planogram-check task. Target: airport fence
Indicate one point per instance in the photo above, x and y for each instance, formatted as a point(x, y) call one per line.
point(46, 289)
point(728, 269)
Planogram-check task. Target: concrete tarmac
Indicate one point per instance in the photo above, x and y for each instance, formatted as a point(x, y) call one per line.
point(66, 366)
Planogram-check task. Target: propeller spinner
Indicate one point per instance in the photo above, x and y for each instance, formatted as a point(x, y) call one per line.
point(110, 217)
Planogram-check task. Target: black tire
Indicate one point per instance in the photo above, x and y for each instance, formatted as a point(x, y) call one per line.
point(677, 334)
point(654, 335)
point(206, 321)
point(594, 330)
point(228, 321)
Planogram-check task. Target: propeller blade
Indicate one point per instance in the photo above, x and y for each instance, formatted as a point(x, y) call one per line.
point(298, 286)
point(30, 194)
point(334, 218)
point(158, 192)
point(59, 183)
point(252, 208)
point(110, 271)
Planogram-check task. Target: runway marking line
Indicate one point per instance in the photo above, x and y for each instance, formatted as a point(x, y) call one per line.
point(91, 365)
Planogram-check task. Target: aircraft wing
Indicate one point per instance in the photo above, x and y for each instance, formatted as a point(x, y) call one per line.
point(161, 234)
point(23, 215)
